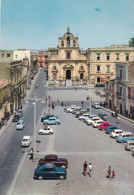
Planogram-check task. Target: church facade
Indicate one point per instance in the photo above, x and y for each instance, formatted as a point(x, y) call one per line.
point(68, 62)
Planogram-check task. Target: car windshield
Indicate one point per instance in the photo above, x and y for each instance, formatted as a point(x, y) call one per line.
point(19, 123)
point(25, 140)
point(15, 116)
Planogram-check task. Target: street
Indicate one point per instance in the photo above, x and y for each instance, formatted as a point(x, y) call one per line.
point(73, 140)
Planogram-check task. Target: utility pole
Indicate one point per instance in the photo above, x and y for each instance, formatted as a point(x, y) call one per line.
point(34, 156)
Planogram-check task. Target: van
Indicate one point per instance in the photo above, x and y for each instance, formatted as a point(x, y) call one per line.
point(20, 124)
point(129, 145)
point(124, 137)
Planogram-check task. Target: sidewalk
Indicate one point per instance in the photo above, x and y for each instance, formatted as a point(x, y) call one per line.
point(121, 116)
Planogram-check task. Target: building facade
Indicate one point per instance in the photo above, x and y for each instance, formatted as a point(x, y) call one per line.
point(67, 62)
point(102, 61)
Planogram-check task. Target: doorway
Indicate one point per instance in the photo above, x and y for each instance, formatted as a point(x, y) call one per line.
point(81, 75)
point(68, 74)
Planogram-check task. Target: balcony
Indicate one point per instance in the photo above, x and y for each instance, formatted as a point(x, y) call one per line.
point(81, 70)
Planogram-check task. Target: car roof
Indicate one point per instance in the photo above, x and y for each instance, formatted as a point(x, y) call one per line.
point(105, 123)
point(54, 117)
point(126, 132)
point(26, 137)
point(118, 130)
point(113, 126)
point(51, 156)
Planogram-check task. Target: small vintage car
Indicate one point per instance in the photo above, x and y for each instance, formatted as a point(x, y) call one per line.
point(111, 128)
point(46, 131)
point(79, 113)
point(16, 118)
point(103, 116)
point(52, 158)
point(26, 141)
point(51, 121)
point(47, 117)
point(20, 124)
point(104, 126)
point(49, 171)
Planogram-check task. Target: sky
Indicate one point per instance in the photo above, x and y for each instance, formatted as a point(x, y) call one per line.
point(37, 24)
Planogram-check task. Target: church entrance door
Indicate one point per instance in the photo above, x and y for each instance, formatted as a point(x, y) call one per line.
point(68, 74)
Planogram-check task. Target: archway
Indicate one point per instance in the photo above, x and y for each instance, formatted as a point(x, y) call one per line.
point(81, 75)
point(68, 74)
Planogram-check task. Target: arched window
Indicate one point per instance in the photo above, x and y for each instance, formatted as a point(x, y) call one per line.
point(74, 43)
point(68, 41)
point(62, 43)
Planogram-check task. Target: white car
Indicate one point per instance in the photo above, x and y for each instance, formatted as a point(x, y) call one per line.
point(26, 141)
point(97, 123)
point(46, 131)
point(90, 122)
point(115, 133)
point(69, 110)
point(96, 105)
point(83, 116)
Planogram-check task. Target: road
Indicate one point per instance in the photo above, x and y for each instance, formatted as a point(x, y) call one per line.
point(73, 140)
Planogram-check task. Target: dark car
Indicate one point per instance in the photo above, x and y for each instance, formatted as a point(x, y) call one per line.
point(47, 117)
point(16, 118)
point(49, 171)
point(52, 158)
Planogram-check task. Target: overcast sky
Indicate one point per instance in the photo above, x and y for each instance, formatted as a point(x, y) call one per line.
point(36, 24)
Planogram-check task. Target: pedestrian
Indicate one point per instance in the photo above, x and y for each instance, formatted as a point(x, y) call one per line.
point(118, 119)
point(53, 105)
point(109, 172)
point(90, 168)
point(49, 96)
point(85, 168)
point(46, 98)
point(113, 174)
point(31, 153)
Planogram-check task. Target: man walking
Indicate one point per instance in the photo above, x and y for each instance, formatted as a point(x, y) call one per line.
point(85, 168)
point(109, 172)
point(90, 168)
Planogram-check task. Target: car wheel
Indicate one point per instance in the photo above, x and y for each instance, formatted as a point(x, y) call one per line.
point(40, 178)
point(63, 166)
point(122, 141)
point(61, 177)
point(41, 133)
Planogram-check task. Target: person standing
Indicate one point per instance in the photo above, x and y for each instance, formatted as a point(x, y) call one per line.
point(113, 174)
point(90, 168)
point(31, 153)
point(118, 119)
point(85, 168)
point(109, 172)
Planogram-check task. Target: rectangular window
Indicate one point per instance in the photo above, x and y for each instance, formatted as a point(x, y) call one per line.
point(98, 79)
point(120, 73)
point(68, 55)
point(108, 68)
point(98, 56)
point(108, 56)
point(8, 55)
point(117, 56)
point(98, 68)
point(127, 57)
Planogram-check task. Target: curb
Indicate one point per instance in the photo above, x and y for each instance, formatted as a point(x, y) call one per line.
point(4, 128)
point(121, 116)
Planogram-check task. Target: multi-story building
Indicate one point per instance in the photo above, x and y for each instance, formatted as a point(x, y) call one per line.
point(102, 61)
point(42, 59)
point(68, 61)
point(16, 73)
point(4, 100)
point(110, 93)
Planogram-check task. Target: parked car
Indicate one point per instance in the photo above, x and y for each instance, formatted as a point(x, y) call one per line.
point(16, 118)
point(79, 113)
point(103, 116)
point(84, 115)
point(20, 124)
point(45, 131)
point(20, 113)
point(52, 158)
point(97, 123)
point(124, 137)
point(26, 141)
point(116, 133)
point(85, 119)
point(49, 171)
point(69, 110)
point(111, 128)
point(51, 121)
point(104, 126)
point(47, 117)
point(90, 122)
point(96, 105)
point(129, 145)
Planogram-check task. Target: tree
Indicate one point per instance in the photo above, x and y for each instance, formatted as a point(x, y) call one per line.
point(131, 42)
